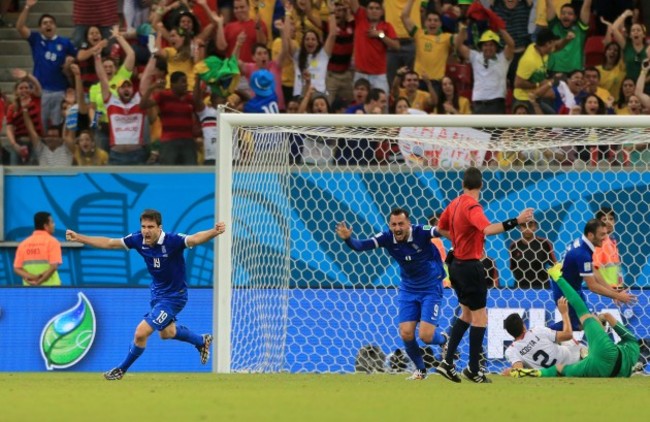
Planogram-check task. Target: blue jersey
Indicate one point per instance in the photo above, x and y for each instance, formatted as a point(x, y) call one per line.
point(49, 56)
point(577, 263)
point(421, 267)
point(165, 263)
point(257, 104)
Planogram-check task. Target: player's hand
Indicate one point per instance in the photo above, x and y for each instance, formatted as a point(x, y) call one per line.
point(626, 297)
point(525, 216)
point(220, 227)
point(343, 231)
point(70, 236)
point(563, 305)
point(30, 3)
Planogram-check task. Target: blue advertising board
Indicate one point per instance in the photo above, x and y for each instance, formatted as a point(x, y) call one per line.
point(324, 327)
point(109, 204)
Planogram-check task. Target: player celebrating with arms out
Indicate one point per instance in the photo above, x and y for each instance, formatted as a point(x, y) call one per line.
point(421, 271)
point(163, 254)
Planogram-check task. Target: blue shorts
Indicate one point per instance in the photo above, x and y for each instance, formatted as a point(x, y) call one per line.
point(163, 312)
point(423, 307)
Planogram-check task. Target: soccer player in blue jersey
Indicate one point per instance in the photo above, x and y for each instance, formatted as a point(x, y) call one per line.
point(163, 254)
point(577, 266)
point(421, 271)
point(52, 56)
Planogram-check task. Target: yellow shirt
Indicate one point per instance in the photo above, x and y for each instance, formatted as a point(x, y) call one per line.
point(612, 79)
point(603, 94)
point(265, 9)
point(98, 158)
point(431, 53)
point(532, 67)
point(393, 11)
point(287, 66)
point(302, 22)
point(176, 65)
point(540, 12)
point(420, 99)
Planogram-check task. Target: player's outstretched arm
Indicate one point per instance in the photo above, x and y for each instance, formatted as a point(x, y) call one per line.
point(94, 241)
point(567, 330)
point(205, 235)
point(345, 233)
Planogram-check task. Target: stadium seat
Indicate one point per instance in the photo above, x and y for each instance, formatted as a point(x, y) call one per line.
point(594, 50)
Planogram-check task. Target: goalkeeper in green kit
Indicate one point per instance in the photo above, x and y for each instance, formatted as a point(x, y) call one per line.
point(605, 359)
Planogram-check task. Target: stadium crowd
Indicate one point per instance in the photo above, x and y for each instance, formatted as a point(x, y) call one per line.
point(139, 80)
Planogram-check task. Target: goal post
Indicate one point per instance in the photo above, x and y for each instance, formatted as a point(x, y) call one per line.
point(288, 294)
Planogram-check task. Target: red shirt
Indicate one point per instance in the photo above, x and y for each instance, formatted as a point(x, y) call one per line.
point(15, 117)
point(95, 12)
point(370, 53)
point(466, 229)
point(232, 30)
point(176, 115)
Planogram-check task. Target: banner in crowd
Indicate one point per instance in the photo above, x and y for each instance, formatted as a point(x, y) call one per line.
point(420, 150)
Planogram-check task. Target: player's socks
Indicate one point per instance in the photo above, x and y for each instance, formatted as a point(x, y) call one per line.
point(550, 372)
point(438, 337)
point(185, 334)
point(134, 353)
point(457, 333)
point(413, 351)
point(574, 298)
point(476, 335)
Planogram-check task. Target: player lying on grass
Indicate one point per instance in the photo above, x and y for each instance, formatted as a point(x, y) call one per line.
point(541, 347)
point(421, 273)
point(605, 359)
point(163, 254)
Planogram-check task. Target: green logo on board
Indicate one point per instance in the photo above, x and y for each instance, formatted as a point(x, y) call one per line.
point(67, 337)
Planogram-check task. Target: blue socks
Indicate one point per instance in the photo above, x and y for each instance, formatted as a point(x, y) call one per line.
point(185, 334)
point(438, 339)
point(134, 353)
point(414, 352)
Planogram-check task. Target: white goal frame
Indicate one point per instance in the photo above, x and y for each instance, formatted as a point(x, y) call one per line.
point(222, 276)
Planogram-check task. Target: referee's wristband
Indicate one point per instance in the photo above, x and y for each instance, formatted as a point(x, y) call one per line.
point(510, 224)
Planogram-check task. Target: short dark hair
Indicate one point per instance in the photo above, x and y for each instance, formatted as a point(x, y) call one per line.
point(259, 45)
point(514, 325)
point(151, 214)
point(45, 16)
point(379, 2)
point(592, 226)
point(41, 218)
point(176, 76)
point(398, 211)
point(362, 82)
point(374, 95)
point(545, 36)
point(604, 211)
point(592, 69)
point(472, 179)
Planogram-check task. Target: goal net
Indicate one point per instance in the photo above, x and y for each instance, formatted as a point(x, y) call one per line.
point(291, 296)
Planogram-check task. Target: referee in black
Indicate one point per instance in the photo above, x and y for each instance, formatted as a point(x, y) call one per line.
point(465, 224)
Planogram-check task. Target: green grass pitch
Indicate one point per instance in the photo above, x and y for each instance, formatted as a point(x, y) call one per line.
point(309, 397)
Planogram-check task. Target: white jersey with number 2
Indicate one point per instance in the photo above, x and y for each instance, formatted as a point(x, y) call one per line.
point(538, 349)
